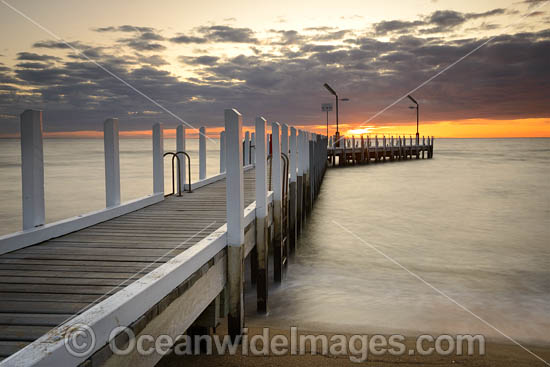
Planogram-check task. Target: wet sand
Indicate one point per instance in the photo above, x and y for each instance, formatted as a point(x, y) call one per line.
point(496, 354)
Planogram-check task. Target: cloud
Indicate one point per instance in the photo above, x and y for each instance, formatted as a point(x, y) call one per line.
point(201, 60)
point(30, 56)
point(187, 39)
point(142, 45)
point(397, 26)
point(59, 45)
point(126, 28)
point(437, 22)
point(282, 79)
point(224, 33)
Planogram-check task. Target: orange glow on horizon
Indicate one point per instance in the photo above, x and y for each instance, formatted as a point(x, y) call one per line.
point(473, 128)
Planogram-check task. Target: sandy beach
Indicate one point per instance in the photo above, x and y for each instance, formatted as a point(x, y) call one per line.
point(496, 354)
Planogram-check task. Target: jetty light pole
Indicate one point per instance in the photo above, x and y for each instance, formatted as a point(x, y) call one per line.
point(331, 91)
point(415, 107)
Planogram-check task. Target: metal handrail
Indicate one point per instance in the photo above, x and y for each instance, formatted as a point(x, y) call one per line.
point(174, 155)
point(188, 168)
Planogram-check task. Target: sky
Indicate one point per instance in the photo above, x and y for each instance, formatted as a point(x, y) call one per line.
point(171, 61)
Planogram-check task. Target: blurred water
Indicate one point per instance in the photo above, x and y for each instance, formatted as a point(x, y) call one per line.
point(74, 175)
point(474, 222)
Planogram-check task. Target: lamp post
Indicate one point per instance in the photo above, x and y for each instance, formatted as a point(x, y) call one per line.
point(415, 107)
point(331, 91)
point(326, 107)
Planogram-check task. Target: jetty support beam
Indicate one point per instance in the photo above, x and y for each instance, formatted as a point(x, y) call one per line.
point(276, 184)
point(293, 231)
point(262, 250)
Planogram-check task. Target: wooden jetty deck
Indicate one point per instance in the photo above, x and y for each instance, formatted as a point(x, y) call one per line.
point(42, 286)
point(157, 265)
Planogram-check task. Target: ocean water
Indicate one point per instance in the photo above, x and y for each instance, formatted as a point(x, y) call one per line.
point(474, 222)
point(74, 175)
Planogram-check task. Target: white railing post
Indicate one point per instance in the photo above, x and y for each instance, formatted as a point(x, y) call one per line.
point(246, 148)
point(158, 159)
point(276, 184)
point(32, 169)
point(202, 153)
point(260, 154)
point(222, 152)
point(180, 147)
point(293, 236)
point(253, 144)
point(235, 221)
point(112, 162)
point(284, 139)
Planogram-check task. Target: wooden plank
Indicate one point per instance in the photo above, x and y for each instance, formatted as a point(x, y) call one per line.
point(67, 274)
point(62, 280)
point(75, 263)
point(33, 319)
point(95, 257)
point(73, 268)
point(22, 333)
point(7, 348)
point(41, 307)
point(58, 288)
point(50, 297)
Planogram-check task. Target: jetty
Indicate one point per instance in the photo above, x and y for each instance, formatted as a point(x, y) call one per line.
point(171, 262)
point(344, 151)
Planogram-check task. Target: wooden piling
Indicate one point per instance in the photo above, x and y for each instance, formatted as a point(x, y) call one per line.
point(293, 230)
point(32, 169)
point(362, 150)
point(299, 181)
point(376, 149)
point(235, 222)
point(262, 249)
point(423, 146)
point(276, 184)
